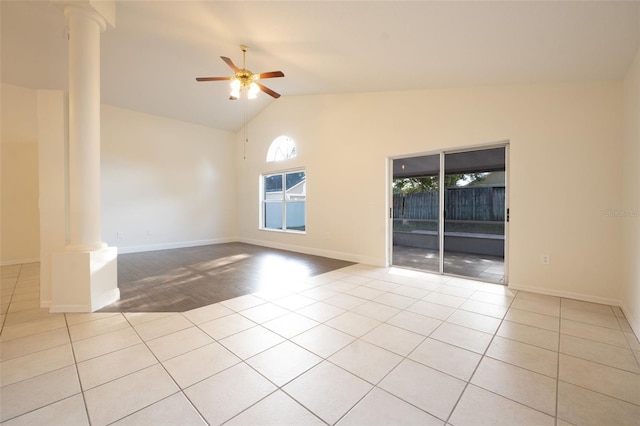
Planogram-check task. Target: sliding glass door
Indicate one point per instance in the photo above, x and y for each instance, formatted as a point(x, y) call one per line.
point(474, 214)
point(416, 206)
point(449, 213)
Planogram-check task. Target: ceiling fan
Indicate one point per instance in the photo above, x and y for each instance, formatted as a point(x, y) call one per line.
point(245, 79)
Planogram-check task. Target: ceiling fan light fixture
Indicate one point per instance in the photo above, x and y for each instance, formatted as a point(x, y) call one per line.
point(253, 90)
point(236, 85)
point(245, 79)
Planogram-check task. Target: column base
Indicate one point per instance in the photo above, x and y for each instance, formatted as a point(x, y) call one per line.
point(84, 281)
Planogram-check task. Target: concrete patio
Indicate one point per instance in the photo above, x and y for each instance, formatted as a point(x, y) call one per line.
point(483, 267)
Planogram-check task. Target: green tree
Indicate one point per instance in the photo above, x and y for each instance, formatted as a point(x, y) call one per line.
point(406, 186)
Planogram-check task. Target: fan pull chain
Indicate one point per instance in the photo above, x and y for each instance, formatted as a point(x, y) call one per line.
point(246, 136)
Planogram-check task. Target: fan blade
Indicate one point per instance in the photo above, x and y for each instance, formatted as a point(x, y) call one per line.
point(212, 78)
point(230, 63)
point(270, 74)
point(268, 91)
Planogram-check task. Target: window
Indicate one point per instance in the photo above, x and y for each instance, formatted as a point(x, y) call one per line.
point(281, 148)
point(284, 201)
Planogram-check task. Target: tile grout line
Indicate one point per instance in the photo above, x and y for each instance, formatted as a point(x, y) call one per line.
point(637, 373)
point(359, 338)
point(327, 359)
point(600, 393)
point(484, 354)
point(180, 390)
point(404, 357)
point(244, 361)
point(382, 322)
point(13, 290)
point(375, 385)
point(468, 382)
point(75, 364)
point(128, 374)
point(558, 363)
point(287, 339)
point(323, 359)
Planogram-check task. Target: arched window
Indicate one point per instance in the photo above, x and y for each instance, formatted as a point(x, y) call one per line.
point(281, 148)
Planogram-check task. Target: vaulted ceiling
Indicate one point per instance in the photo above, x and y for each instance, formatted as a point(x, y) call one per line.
point(151, 57)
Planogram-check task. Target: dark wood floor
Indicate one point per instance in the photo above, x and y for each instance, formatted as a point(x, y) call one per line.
point(182, 279)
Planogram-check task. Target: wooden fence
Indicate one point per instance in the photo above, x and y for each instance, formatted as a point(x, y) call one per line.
point(475, 204)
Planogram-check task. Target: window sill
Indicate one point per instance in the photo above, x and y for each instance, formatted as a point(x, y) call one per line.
point(283, 231)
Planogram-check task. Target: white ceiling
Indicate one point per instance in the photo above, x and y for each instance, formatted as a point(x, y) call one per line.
point(157, 48)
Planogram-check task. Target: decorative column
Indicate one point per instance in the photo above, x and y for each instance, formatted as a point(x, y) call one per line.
point(85, 26)
point(84, 274)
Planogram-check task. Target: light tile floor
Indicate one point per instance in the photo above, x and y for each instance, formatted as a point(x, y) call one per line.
point(356, 346)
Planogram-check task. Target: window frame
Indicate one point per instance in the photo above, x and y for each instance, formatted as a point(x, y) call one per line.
point(283, 201)
point(276, 147)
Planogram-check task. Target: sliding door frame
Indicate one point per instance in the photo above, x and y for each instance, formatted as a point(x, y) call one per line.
point(441, 203)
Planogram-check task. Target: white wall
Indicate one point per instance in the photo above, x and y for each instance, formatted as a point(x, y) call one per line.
point(630, 299)
point(52, 147)
point(565, 148)
point(168, 183)
point(165, 183)
point(19, 175)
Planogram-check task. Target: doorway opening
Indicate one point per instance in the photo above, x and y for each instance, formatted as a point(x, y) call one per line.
point(449, 213)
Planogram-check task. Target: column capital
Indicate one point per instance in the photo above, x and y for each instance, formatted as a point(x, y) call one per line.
point(102, 11)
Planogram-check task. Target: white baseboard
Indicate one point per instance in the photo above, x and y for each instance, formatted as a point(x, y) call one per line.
point(566, 294)
point(168, 246)
point(348, 257)
point(19, 262)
